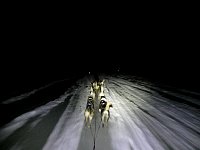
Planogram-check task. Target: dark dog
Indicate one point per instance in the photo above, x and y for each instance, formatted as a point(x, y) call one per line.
point(89, 111)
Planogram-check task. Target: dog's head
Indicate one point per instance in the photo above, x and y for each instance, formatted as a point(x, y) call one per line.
point(103, 102)
point(90, 102)
point(103, 97)
point(90, 105)
point(95, 85)
point(90, 98)
point(100, 83)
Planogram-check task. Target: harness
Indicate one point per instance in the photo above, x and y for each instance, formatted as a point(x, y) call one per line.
point(90, 104)
point(102, 104)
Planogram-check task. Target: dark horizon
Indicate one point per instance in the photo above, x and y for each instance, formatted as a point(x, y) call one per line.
point(35, 70)
point(36, 57)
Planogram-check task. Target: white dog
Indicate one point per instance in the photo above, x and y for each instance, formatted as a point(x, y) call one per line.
point(104, 108)
point(92, 93)
point(101, 90)
point(97, 86)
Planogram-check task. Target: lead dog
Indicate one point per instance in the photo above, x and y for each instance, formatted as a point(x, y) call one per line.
point(101, 93)
point(97, 86)
point(101, 89)
point(89, 111)
point(104, 108)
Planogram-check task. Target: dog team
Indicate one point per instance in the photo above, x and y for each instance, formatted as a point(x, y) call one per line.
point(97, 92)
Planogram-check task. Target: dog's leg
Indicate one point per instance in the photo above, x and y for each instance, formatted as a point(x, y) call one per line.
point(103, 124)
point(90, 121)
point(102, 120)
point(101, 116)
point(86, 121)
point(86, 118)
point(106, 118)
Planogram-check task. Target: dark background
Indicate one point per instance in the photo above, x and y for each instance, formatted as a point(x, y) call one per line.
point(39, 48)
